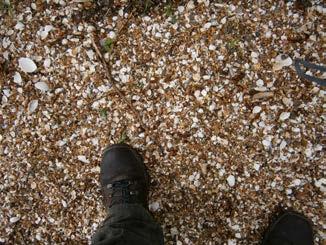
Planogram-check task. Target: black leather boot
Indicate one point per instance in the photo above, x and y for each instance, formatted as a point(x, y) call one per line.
point(124, 178)
point(291, 228)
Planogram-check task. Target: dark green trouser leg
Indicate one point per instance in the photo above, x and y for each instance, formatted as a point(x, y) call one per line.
point(129, 224)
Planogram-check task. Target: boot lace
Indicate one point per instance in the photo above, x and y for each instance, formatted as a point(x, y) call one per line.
point(123, 191)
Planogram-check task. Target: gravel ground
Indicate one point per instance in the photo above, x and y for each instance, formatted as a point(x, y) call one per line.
point(207, 91)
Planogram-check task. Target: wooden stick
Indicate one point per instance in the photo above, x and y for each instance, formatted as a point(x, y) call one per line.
point(114, 83)
point(111, 79)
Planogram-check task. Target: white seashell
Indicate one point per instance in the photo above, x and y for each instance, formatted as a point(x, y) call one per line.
point(284, 116)
point(321, 184)
point(296, 182)
point(33, 185)
point(190, 5)
point(256, 166)
point(90, 53)
point(4, 100)
point(181, 9)
point(112, 35)
point(6, 42)
point(267, 143)
point(43, 86)
point(254, 55)
point(196, 77)
point(231, 180)
point(82, 159)
point(256, 110)
point(14, 219)
point(47, 63)
point(44, 31)
point(281, 61)
point(211, 47)
point(154, 206)
point(207, 25)
point(19, 26)
point(287, 101)
point(320, 9)
point(18, 78)
point(283, 144)
point(27, 65)
point(32, 106)
point(6, 92)
point(64, 203)
point(260, 83)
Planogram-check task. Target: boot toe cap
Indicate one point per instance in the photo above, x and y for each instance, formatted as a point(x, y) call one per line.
point(121, 161)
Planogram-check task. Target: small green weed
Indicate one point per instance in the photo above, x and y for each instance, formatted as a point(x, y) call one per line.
point(147, 5)
point(174, 19)
point(6, 8)
point(169, 12)
point(103, 113)
point(140, 85)
point(123, 138)
point(108, 44)
point(232, 45)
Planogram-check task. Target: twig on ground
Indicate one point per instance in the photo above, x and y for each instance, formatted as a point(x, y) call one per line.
point(114, 83)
